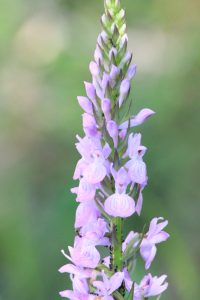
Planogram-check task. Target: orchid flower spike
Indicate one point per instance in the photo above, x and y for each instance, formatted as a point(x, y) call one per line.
point(111, 175)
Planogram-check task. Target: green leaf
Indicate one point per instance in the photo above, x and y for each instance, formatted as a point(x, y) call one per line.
point(130, 296)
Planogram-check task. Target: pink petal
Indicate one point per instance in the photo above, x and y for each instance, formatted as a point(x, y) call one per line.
point(139, 204)
point(90, 91)
point(116, 281)
point(139, 119)
point(95, 172)
point(119, 205)
point(85, 104)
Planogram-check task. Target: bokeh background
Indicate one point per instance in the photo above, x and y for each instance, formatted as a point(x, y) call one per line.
point(45, 49)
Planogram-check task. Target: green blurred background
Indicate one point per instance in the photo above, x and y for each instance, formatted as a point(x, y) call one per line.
point(45, 49)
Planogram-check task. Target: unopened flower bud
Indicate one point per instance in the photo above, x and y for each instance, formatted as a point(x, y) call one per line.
point(113, 131)
point(124, 91)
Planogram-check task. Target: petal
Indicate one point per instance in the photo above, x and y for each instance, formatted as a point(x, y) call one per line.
point(94, 69)
point(68, 294)
point(139, 119)
point(100, 286)
point(160, 237)
point(85, 104)
point(86, 209)
point(115, 281)
point(85, 256)
point(119, 205)
point(148, 252)
point(95, 172)
point(69, 268)
point(127, 279)
point(134, 143)
point(90, 90)
point(139, 204)
point(137, 171)
point(131, 71)
point(86, 191)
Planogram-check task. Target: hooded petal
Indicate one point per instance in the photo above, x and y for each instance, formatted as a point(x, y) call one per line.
point(88, 209)
point(86, 191)
point(119, 205)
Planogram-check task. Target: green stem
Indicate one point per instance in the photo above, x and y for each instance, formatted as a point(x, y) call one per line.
point(117, 244)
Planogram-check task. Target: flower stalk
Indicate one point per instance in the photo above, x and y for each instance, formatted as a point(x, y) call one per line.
point(112, 175)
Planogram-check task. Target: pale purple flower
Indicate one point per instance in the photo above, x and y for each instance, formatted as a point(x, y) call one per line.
point(131, 71)
point(154, 236)
point(98, 55)
point(106, 287)
point(93, 165)
point(84, 209)
point(124, 91)
point(85, 104)
point(132, 236)
point(106, 108)
point(90, 91)
point(80, 290)
point(119, 205)
point(94, 69)
point(121, 178)
point(139, 203)
point(95, 232)
point(85, 191)
point(139, 119)
point(136, 167)
point(76, 270)
point(89, 125)
point(96, 171)
point(150, 287)
point(112, 128)
point(84, 254)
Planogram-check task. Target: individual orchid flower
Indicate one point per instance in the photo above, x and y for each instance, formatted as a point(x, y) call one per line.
point(88, 209)
point(106, 287)
point(80, 290)
point(150, 287)
point(83, 253)
point(136, 167)
point(120, 204)
point(95, 232)
point(139, 119)
point(154, 236)
point(85, 191)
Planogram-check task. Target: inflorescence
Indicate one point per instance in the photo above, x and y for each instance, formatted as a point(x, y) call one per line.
point(112, 176)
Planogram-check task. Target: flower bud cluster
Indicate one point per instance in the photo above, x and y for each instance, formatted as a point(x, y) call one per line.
point(112, 175)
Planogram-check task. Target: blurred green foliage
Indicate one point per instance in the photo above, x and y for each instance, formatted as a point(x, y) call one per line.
point(45, 48)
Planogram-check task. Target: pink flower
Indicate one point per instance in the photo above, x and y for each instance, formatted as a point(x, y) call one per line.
point(154, 236)
point(84, 254)
point(119, 205)
point(106, 287)
point(150, 287)
point(139, 119)
point(136, 167)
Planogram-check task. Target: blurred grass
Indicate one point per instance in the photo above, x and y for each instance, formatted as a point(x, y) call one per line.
point(44, 54)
